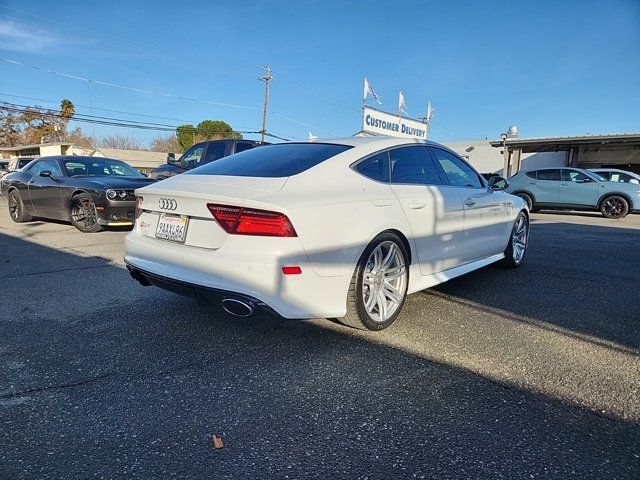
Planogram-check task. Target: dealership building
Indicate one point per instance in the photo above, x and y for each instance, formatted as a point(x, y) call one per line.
point(512, 154)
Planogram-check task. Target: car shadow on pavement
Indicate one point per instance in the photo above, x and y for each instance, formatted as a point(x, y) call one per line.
point(581, 278)
point(102, 377)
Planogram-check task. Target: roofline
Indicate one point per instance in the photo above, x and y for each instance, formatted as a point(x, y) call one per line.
point(23, 147)
point(579, 139)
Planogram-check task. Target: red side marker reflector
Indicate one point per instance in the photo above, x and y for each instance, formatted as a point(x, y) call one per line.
point(291, 270)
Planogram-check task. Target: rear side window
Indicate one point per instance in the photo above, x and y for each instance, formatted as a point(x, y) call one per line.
point(242, 146)
point(215, 151)
point(375, 168)
point(282, 160)
point(531, 174)
point(413, 165)
point(549, 175)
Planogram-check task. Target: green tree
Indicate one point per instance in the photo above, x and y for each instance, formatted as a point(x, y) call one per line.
point(186, 136)
point(206, 130)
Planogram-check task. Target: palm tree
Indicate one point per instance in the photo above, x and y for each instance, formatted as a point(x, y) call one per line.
point(67, 109)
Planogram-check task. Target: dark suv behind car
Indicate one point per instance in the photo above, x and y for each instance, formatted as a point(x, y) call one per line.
point(201, 153)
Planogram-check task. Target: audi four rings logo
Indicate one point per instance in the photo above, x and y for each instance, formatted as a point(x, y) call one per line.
point(167, 204)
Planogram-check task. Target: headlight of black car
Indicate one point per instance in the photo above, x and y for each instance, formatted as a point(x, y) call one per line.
point(119, 194)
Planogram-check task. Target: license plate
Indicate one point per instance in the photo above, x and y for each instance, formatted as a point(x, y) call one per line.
point(172, 227)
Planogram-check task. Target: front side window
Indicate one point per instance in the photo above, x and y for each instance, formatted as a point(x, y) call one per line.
point(193, 156)
point(549, 175)
point(605, 175)
point(531, 174)
point(215, 151)
point(574, 176)
point(280, 160)
point(413, 165)
point(457, 171)
point(376, 167)
point(47, 165)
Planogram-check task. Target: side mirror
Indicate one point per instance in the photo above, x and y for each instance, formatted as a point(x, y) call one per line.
point(171, 159)
point(47, 173)
point(498, 183)
point(586, 180)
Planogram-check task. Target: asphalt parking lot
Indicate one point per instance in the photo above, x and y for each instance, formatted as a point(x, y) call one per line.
point(532, 373)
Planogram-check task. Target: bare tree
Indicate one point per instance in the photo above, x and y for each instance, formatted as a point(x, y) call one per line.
point(165, 144)
point(122, 142)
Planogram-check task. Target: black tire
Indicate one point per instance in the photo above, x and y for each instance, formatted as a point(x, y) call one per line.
point(357, 315)
point(528, 199)
point(17, 210)
point(614, 206)
point(510, 259)
point(83, 213)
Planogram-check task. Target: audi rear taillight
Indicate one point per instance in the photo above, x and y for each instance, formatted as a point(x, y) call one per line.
point(251, 221)
point(138, 206)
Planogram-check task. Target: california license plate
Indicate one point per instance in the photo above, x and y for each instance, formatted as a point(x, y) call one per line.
point(172, 227)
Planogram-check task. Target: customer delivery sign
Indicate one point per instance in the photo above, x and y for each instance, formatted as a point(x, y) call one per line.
point(383, 123)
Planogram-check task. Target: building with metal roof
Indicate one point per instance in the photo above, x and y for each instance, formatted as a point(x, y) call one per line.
point(617, 150)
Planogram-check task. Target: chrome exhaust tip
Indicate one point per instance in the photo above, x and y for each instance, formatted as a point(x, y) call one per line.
point(237, 307)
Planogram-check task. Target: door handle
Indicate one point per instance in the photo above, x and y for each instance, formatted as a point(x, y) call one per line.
point(564, 184)
point(417, 205)
point(469, 202)
point(382, 203)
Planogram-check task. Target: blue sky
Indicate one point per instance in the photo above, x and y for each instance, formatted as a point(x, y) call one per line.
point(552, 68)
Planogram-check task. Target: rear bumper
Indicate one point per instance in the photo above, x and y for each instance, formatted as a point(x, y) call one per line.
point(204, 295)
point(247, 267)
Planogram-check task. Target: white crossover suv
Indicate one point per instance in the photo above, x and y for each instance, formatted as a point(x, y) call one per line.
point(341, 228)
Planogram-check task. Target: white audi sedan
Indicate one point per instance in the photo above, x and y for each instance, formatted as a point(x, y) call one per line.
point(342, 228)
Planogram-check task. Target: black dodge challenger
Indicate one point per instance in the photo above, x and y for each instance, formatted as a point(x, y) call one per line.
point(90, 192)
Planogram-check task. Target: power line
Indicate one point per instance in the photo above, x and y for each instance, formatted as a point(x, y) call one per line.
point(97, 120)
point(140, 90)
point(125, 87)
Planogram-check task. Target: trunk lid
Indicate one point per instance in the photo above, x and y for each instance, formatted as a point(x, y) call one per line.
point(188, 195)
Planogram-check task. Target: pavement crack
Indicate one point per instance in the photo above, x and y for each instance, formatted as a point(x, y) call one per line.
point(35, 390)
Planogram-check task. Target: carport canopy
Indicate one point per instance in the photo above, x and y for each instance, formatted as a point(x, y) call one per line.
point(619, 150)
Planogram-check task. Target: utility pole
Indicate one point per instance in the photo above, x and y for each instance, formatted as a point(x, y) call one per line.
point(266, 78)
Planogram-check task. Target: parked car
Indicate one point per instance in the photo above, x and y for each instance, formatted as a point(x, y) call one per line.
point(201, 153)
point(616, 175)
point(341, 229)
point(15, 164)
point(574, 189)
point(90, 192)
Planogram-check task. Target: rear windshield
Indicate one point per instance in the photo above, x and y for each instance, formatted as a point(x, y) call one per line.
point(282, 160)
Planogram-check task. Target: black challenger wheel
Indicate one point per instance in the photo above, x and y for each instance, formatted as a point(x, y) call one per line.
point(17, 210)
point(83, 214)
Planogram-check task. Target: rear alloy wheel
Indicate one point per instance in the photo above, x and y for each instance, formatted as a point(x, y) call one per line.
point(83, 214)
point(517, 247)
point(17, 210)
point(614, 206)
point(378, 288)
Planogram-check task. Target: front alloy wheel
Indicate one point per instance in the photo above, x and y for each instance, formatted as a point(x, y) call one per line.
point(379, 285)
point(517, 247)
